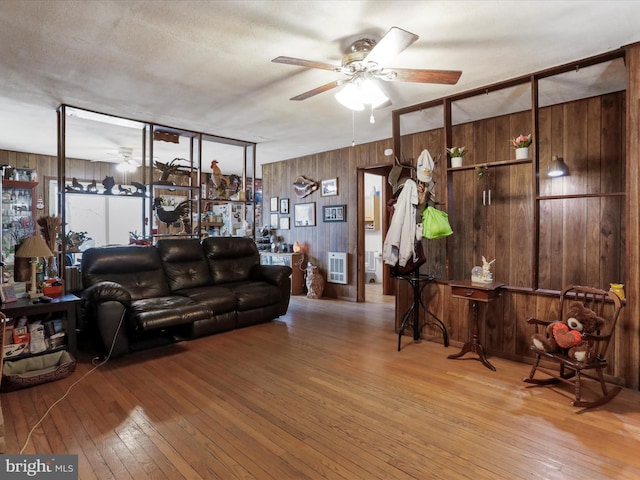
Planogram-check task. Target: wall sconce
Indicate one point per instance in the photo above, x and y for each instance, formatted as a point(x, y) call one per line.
point(557, 167)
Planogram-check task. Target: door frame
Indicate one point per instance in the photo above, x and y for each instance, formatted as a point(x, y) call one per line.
point(388, 285)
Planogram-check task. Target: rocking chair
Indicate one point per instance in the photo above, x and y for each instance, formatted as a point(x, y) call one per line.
point(567, 370)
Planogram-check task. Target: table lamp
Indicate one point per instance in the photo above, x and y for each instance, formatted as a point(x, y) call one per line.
point(33, 248)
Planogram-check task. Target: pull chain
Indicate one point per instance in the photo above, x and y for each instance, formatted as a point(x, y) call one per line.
point(353, 128)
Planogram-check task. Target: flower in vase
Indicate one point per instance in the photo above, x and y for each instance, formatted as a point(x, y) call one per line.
point(457, 151)
point(521, 141)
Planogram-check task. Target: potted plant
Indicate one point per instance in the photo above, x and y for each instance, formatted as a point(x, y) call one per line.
point(521, 144)
point(456, 154)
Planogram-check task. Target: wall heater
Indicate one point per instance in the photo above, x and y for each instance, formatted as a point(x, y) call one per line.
point(337, 271)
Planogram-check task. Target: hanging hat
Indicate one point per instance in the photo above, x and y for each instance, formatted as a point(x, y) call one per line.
point(394, 175)
point(424, 169)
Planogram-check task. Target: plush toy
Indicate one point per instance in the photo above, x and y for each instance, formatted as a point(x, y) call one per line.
point(587, 322)
point(567, 334)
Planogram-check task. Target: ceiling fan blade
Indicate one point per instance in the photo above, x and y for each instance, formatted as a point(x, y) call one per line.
point(316, 91)
point(448, 77)
point(306, 63)
point(393, 42)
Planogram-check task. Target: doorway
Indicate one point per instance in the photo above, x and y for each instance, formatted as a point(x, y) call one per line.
point(374, 278)
point(373, 235)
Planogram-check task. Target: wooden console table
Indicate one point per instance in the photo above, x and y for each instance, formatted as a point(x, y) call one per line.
point(475, 293)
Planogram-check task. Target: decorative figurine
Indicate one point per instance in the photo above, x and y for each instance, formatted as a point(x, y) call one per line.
point(315, 281)
point(172, 168)
point(482, 275)
point(108, 184)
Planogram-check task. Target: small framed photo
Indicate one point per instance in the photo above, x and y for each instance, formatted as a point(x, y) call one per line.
point(273, 221)
point(334, 213)
point(329, 187)
point(8, 294)
point(304, 214)
point(284, 206)
point(285, 223)
point(274, 204)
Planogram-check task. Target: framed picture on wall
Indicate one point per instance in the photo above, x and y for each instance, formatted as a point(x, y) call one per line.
point(304, 214)
point(273, 221)
point(284, 223)
point(274, 204)
point(329, 187)
point(284, 206)
point(334, 213)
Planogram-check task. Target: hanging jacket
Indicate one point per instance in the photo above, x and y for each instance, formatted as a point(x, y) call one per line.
point(399, 244)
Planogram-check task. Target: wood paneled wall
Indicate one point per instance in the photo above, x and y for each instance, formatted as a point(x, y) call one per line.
point(581, 239)
point(342, 164)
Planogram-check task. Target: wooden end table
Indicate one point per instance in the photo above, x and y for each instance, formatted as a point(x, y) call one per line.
point(68, 304)
point(476, 293)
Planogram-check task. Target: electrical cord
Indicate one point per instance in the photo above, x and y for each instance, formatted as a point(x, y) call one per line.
point(66, 393)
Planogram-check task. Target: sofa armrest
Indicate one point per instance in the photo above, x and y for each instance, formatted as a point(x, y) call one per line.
point(107, 292)
point(274, 274)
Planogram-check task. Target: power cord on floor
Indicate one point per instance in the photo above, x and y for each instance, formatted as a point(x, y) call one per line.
point(66, 393)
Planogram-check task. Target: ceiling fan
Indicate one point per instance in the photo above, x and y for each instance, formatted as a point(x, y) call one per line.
point(126, 161)
point(366, 60)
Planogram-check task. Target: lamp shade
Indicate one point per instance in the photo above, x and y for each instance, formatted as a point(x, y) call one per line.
point(557, 167)
point(34, 247)
point(360, 91)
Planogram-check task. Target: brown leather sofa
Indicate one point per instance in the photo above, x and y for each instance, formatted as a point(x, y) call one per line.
point(139, 296)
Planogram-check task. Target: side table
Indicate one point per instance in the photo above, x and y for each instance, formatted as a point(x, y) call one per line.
point(418, 281)
point(69, 304)
point(476, 293)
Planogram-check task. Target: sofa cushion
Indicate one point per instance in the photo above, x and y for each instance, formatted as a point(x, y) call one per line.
point(184, 263)
point(230, 259)
point(163, 312)
point(218, 298)
point(254, 294)
point(137, 268)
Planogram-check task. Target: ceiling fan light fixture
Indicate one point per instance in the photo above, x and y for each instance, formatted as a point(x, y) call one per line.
point(361, 91)
point(371, 93)
point(126, 166)
point(349, 96)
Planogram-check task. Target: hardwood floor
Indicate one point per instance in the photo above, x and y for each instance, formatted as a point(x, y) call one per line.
point(321, 393)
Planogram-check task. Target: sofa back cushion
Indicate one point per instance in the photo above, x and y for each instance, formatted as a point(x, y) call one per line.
point(136, 268)
point(230, 259)
point(184, 263)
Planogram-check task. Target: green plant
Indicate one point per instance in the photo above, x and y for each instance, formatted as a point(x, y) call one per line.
point(72, 240)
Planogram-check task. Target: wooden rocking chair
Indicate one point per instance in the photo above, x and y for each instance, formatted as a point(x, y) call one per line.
point(568, 370)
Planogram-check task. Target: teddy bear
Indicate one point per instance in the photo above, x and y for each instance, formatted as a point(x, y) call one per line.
point(568, 334)
point(589, 323)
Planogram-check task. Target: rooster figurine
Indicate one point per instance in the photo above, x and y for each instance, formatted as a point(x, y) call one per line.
point(180, 212)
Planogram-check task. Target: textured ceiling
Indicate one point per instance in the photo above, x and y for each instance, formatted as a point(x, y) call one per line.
point(206, 65)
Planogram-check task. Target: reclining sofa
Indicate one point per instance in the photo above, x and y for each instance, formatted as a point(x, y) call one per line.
point(139, 296)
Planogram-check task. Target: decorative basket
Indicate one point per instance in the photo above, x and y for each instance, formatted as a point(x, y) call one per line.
point(31, 371)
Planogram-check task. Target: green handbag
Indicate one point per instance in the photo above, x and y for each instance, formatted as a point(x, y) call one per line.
point(435, 223)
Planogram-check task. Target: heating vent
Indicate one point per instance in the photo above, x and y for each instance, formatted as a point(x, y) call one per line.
point(337, 267)
point(370, 260)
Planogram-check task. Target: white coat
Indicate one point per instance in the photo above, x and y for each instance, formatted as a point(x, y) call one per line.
point(399, 244)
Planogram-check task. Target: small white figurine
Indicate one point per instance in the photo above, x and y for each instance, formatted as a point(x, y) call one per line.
point(487, 276)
